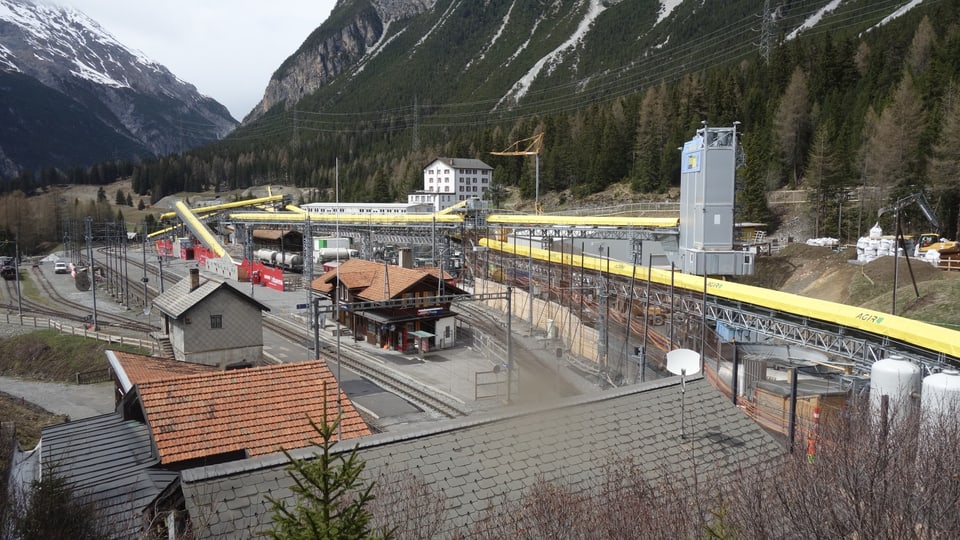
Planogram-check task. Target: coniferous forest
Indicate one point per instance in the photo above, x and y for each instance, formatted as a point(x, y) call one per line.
point(853, 118)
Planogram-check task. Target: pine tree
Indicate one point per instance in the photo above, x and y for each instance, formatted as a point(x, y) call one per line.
point(332, 497)
point(824, 178)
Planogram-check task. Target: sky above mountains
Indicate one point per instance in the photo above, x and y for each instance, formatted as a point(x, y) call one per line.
point(228, 49)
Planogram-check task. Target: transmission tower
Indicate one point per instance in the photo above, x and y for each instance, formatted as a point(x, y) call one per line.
point(767, 27)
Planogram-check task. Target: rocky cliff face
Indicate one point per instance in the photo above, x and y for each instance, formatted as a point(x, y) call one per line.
point(335, 48)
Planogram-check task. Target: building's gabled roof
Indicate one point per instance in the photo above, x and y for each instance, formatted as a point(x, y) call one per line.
point(474, 463)
point(131, 369)
point(178, 298)
point(109, 461)
point(461, 163)
point(374, 282)
point(256, 411)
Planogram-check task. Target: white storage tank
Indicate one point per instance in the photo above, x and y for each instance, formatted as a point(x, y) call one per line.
point(897, 378)
point(941, 393)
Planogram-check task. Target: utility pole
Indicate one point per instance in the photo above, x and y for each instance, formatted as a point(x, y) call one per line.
point(126, 266)
point(145, 279)
point(88, 224)
point(509, 342)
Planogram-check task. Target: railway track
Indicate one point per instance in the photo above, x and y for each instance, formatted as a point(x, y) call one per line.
point(534, 370)
point(410, 390)
point(63, 307)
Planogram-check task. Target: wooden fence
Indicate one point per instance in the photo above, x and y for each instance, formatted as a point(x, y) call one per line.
point(46, 324)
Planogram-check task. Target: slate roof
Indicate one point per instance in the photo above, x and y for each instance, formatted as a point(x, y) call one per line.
point(461, 163)
point(178, 298)
point(132, 369)
point(365, 279)
point(257, 410)
point(110, 461)
point(475, 462)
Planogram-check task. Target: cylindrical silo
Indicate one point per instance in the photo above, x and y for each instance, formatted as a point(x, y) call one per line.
point(898, 379)
point(941, 393)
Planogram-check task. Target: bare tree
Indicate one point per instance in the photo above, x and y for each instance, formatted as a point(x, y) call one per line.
point(406, 505)
point(869, 478)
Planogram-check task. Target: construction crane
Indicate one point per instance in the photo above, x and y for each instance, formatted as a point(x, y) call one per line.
point(527, 147)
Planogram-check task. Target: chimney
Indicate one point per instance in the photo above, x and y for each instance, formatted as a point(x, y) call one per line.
point(194, 279)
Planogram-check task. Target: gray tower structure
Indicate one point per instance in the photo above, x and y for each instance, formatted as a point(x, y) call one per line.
point(707, 172)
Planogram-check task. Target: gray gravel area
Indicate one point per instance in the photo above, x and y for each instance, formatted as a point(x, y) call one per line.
point(73, 400)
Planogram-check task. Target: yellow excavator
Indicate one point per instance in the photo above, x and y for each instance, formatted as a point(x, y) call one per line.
point(932, 241)
point(929, 241)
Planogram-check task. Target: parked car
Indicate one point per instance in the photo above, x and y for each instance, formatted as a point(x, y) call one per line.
point(60, 268)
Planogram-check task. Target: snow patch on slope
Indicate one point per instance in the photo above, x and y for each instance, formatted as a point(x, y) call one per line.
point(521, 87)
point(813, 19)
point(905, 8)
point(666, 8)
point(496, 36)
point(440, 22)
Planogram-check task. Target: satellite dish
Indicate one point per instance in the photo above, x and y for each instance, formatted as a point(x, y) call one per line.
point(146, 310)
point(683, 362)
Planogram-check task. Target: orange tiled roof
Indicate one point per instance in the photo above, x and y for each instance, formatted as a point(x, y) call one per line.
point(141, 369)
point(258, 410)
point(366, 279)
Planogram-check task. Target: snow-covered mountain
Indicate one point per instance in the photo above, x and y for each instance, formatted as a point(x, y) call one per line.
point(74, 95)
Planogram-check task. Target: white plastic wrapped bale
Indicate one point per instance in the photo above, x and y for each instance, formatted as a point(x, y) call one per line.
point(823, 242)
point(876, 232)
point(932, 256)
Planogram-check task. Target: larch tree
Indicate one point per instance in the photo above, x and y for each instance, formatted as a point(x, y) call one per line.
point(792, 124)
point(891, 149)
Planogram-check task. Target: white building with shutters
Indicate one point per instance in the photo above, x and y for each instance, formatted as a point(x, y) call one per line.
point(447, 181)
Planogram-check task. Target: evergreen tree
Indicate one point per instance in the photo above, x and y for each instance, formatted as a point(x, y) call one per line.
point(101, 195)
point(944, 167)
point(824, 180)
point(332, 497)
point(141, 205)
point(120, 200)
point(55, 511)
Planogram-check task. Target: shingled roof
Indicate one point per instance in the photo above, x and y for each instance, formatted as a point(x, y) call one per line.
point(475, 462)
point(366, 280)
point(256, 411)
point(111, 463)
point(178, 298)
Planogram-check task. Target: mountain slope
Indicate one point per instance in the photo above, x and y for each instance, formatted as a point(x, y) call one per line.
point(99, 100)
point(511, 55)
